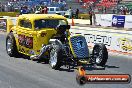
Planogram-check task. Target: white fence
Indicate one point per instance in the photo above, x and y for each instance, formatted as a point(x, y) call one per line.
point(117, 41)
point(105, 20)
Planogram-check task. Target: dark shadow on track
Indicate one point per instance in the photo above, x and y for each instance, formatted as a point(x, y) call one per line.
point(92, 67)
point(66, 69)
point(108, 66)
point(88, 67)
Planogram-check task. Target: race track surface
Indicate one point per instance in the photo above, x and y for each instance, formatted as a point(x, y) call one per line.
point(24, 73)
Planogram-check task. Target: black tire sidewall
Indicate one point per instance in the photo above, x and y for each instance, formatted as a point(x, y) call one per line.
point(14, 48)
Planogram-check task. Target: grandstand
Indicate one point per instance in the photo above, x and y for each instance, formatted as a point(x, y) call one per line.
point(99, 6)
point(17, 4)
point(84, 6)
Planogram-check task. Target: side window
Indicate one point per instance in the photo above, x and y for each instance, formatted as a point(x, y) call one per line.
point(57, 9)
point(62, 22)
point(21, 23)
point(40, 24)
point(26, 24)
point(51, 9)
point(48, 9)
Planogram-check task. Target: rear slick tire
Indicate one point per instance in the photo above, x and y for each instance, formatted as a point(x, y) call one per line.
point(11, 47)
point(100, 54)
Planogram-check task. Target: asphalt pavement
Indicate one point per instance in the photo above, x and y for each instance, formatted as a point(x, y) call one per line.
point(24, 73)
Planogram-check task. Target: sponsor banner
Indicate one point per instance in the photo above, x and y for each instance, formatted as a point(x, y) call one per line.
point(98, 38)
point(120, 42)
point(124, 44)
point(114, 20)
point(3, 24)
point(118, 21)
point(106, 20)
point(98, 19)
point(128, 21)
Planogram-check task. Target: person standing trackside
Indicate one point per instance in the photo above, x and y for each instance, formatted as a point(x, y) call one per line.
point(90, 17)
point(77, 12)
point(70, 13)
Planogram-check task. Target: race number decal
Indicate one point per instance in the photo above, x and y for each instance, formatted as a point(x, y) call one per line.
point(80, 44)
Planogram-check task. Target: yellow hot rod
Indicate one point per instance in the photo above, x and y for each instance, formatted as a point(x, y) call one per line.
point(47, 36)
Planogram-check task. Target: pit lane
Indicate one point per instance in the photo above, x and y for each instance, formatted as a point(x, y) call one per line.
point(24, 73)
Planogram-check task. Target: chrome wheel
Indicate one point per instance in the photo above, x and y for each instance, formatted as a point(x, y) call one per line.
point(9, 45)
point(98, 55)
point(53, 58)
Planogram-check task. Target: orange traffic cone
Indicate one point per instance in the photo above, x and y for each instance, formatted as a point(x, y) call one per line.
point(81, 71)
point(72, 22)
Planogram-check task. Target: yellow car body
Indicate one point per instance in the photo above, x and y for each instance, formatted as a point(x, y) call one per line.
point(29, 40)
point(37, 35)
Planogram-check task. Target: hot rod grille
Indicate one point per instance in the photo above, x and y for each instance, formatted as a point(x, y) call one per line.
point(79, 46)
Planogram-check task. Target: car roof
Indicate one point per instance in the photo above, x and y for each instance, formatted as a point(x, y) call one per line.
point(41, 16)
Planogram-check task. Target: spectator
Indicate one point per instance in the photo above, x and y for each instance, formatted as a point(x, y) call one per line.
point(130, 11)
point(121, 10)
point(105, 9)
point(126, 10)
point(113, 9)
point(64, 3)
point(6, 8)
point(31, 10)
point(90, 17)
point(81, 2)
point(38, 10)
point(3, 8)
point(21, 10)
point(77, 12)
point(44, 10)
point(24, 10)
point(70, 13)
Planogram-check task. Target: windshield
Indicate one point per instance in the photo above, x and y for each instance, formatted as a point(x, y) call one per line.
point(48, 23)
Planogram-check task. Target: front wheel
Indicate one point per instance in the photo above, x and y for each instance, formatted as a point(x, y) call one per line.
point(100, 54)
point(55, 57)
